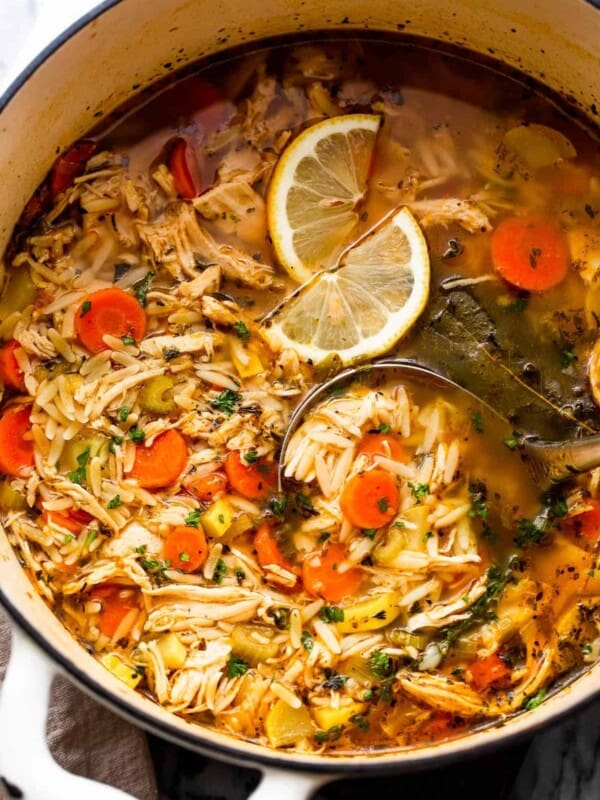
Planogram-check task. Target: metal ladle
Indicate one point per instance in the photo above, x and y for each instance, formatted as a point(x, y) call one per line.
point(550, 462)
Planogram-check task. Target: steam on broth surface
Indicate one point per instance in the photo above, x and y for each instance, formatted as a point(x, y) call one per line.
point(399, 592)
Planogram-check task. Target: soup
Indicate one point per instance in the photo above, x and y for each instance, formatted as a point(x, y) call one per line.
point(401, 589)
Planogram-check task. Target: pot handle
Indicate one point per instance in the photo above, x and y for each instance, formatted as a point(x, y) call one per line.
point(278, 783)
point(26, 764)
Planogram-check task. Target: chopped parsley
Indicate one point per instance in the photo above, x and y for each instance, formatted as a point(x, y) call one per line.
point(304, 505)
point(236, 666)
point(86, 307)
point(251, 457)
point(370, 533)
point(155, 566)
point(184, 557)
point(136, 435)
point(383, 504)
point(115, 441)
point(307, 641)
point(360, 721)
point(90, 539)
point(279, 505)
point(427, 535)
point(323, 537)
point(115, 502)
point(241, 331)
point(141, 290)
point(128, 340)
point(529, 533)
point(477, 421)
point(239, 575)
point(123, 413)
point(419, 490)
point(478, 492)
point(383, 428)
point(330, 735)
point(79, 475)
point(380, 664)
point(586, 649)
point(567, 358)
point(536, 700)
point(484, 608)
point(335, 681)
point(226, 401)
point(331, 614)
point(193, 518)
point(140, 549)
point(511, 442)
point(68, 538)
point(220, 571)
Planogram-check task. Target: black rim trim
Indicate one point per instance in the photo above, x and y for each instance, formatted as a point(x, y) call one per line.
point(195, 741)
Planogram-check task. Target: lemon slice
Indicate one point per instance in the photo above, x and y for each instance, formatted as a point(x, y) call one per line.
point(316, 187)
point(363, 307)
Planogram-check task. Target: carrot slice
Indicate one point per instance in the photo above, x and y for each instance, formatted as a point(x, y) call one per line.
point(70, 165)
point(530, 252)
point(108, 311)
point(73, 520)
point(206, 487)
point(381, 444)
point(161, 463)
point(267, 549)
point(485, 672)
point(322, 577)
point(185, 170)
point(255, 480)
point(16, 452)
point(185, 547)
point(587, 523)
point(114, 607)
point(10, 371)
point(370, 499)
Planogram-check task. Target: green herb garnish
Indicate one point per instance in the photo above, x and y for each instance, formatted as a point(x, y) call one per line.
point(478, 492)
point(330, 735)
point(477, 421)
point(86, 306)
point(536, 700)
point(115, 502)
point(141, 290)
point(90, 539)
point(380, 664)
point(251, 457)
point(241, 331)
point(220, 571)
point(226, 401)
point(383, 504)
point(307, 641)
point(335, 681)
point(136, 435)
point(236, 666)
point(331, 614)
point(123, 413)
point(419, 490)
point(193, 518)
point(79, 475)
point(128, 340)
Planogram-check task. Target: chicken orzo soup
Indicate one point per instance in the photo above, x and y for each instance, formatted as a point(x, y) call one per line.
point(400, 590)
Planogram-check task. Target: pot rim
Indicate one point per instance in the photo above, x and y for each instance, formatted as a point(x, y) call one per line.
point(199, 738)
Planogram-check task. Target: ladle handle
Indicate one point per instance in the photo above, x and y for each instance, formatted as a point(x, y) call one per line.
point(555, 461)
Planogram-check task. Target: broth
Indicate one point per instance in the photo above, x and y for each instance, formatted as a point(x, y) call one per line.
point(400, 592)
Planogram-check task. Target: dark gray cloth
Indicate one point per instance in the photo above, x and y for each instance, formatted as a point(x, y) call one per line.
point(87, 739)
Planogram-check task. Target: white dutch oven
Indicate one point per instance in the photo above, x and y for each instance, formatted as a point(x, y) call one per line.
point(99, 62)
